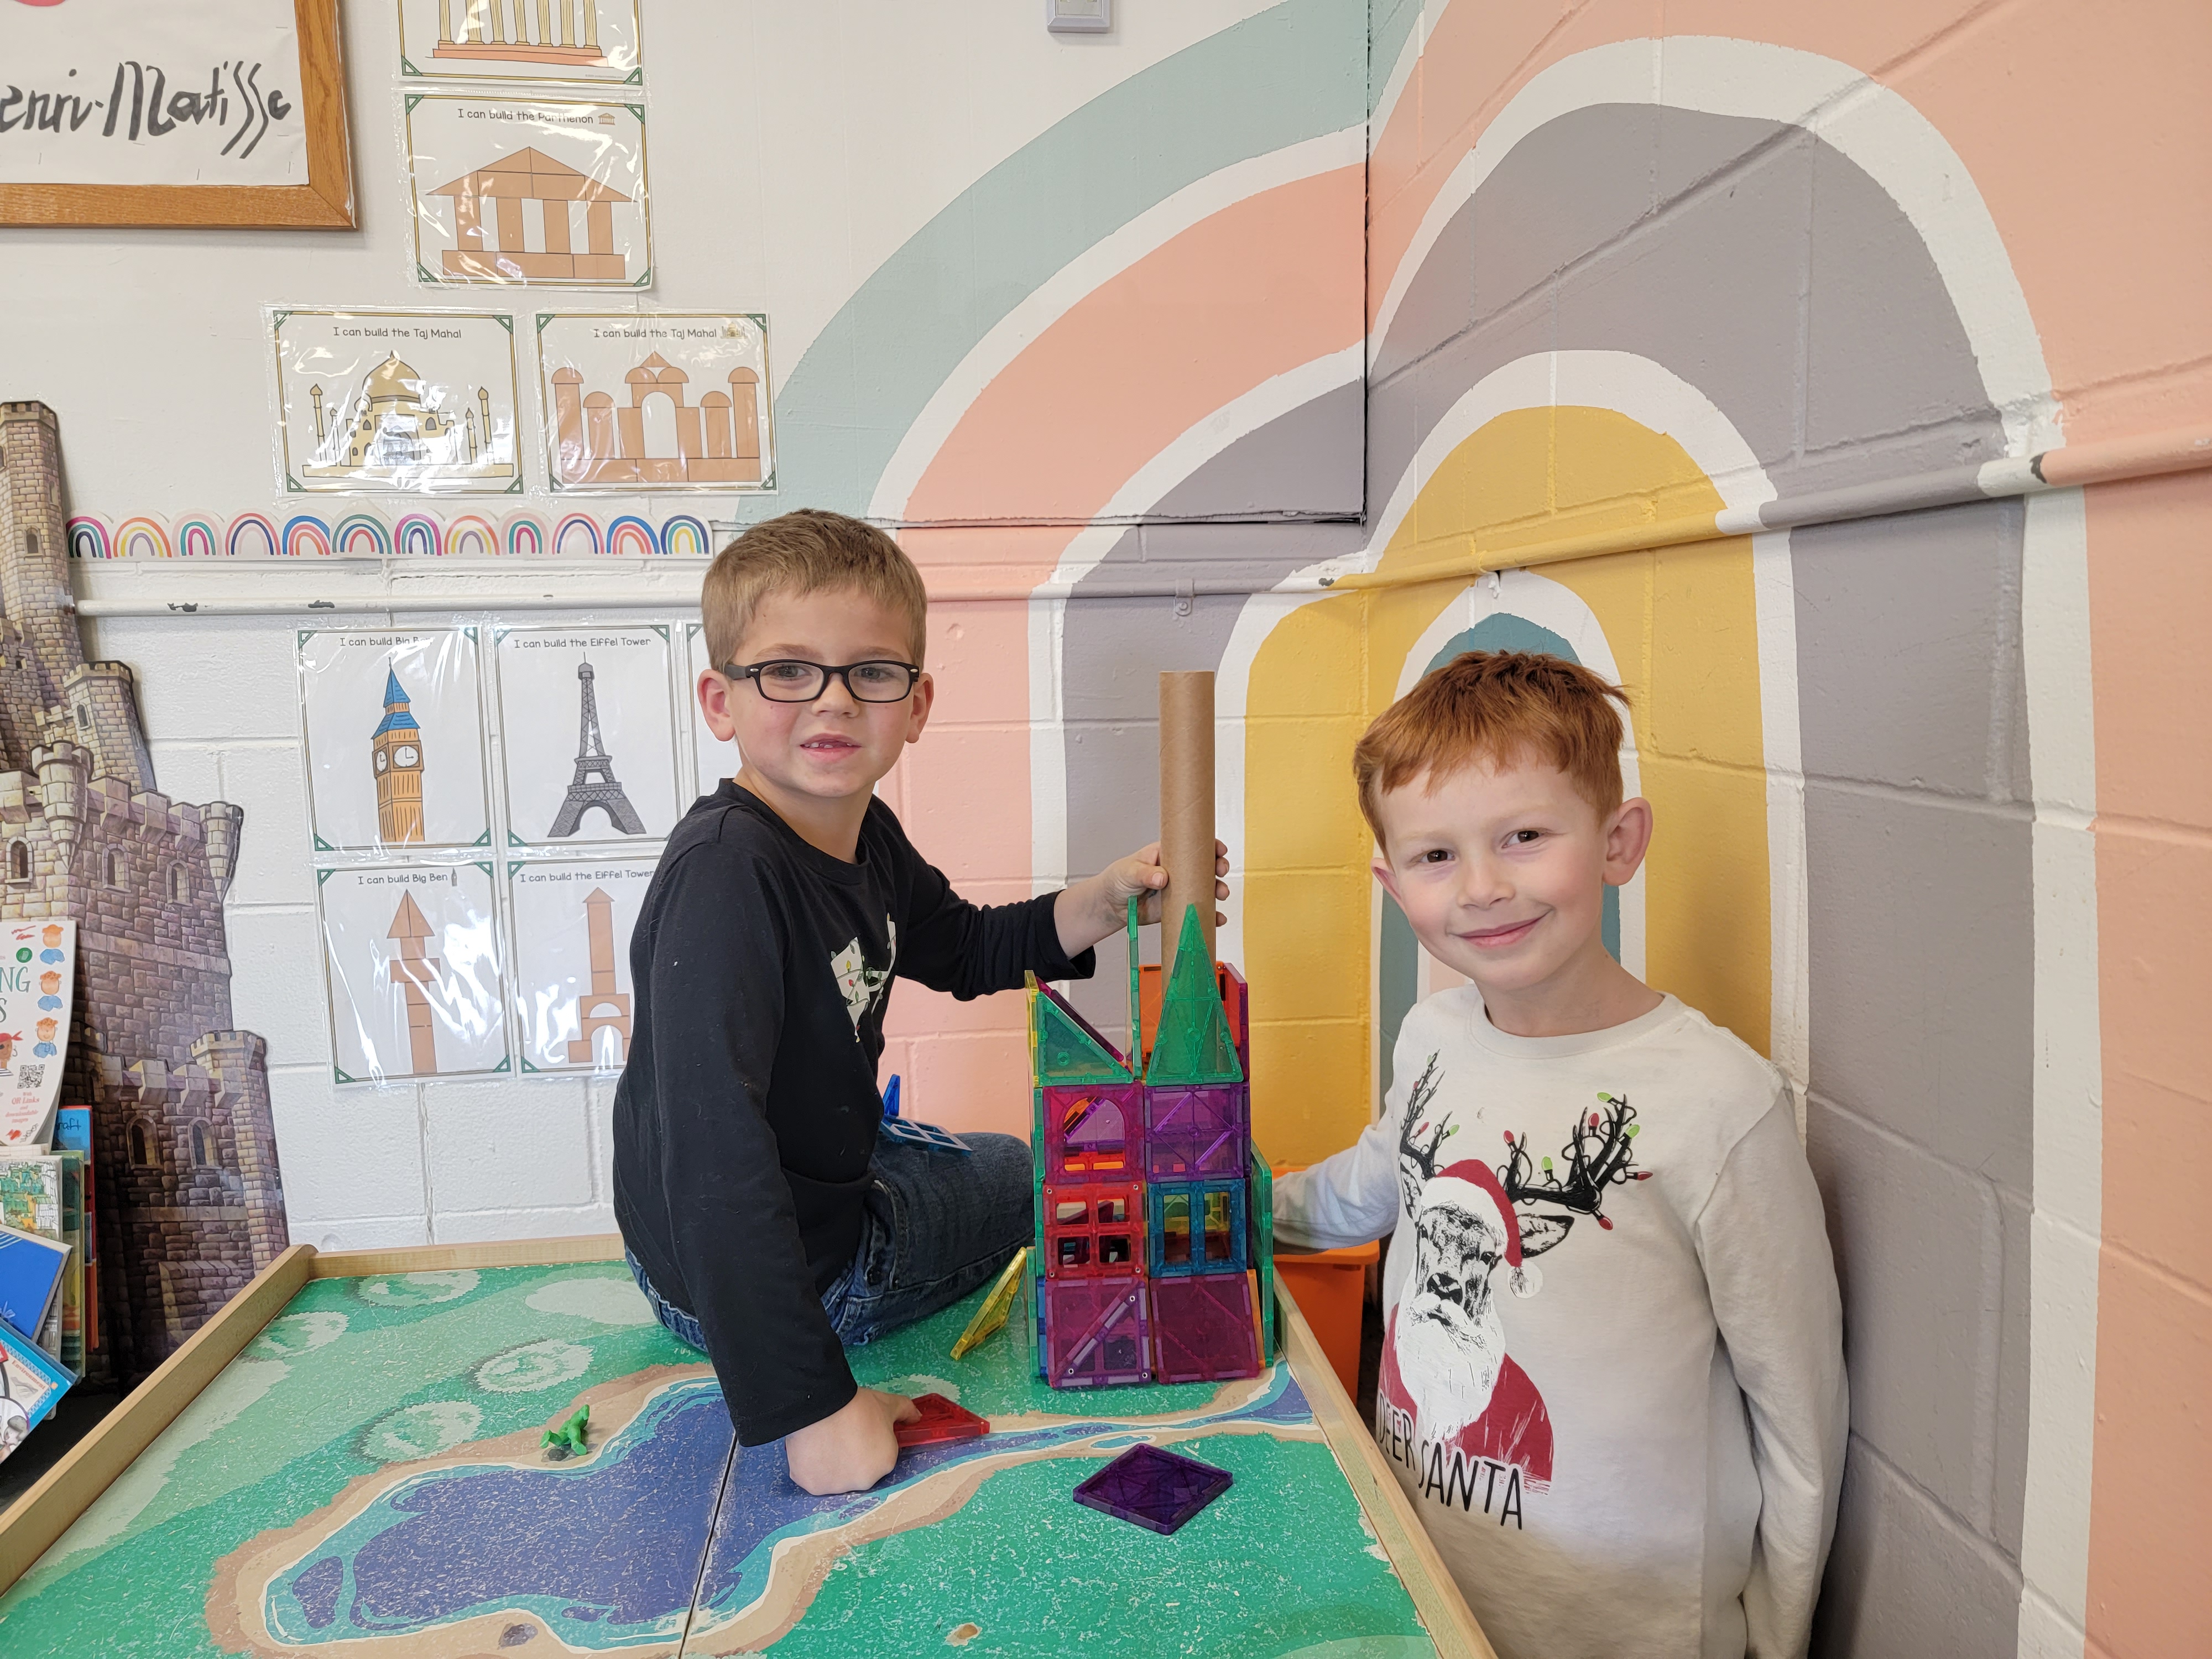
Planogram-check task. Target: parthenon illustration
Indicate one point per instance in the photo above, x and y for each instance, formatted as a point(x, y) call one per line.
point(502, 29)
point(529, 175)
point(667, 441)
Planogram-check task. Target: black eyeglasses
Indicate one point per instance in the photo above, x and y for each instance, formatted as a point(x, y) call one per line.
point(788, 679)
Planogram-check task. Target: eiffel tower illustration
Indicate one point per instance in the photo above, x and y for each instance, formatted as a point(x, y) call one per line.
point(594, 783)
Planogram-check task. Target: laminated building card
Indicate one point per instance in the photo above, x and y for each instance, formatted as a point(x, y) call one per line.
point(419, 401)
point(656, 400)
point(520, 39)
point(587, 734)
point(37, 979)
point(395, 740)
point(547, 193)
point(417, 984)
point(572, 975)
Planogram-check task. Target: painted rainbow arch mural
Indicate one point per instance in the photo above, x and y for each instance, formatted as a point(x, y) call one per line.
point(1572, 374)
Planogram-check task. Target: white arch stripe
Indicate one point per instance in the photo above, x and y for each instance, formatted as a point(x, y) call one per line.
point(1877, 129)
point(1083, 275)
point(1647, 393)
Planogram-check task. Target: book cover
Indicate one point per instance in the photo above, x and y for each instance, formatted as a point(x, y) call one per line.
point(43, 1193)
point(73, 1132)
point(71, 1352)
point(30, 1383)
point(38, 978)
point(31, 1272)
point(31, 1193)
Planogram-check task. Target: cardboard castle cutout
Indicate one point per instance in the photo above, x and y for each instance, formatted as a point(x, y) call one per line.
point(191, 1205)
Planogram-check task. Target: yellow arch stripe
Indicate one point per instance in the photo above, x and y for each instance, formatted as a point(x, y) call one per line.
point(1682, 625)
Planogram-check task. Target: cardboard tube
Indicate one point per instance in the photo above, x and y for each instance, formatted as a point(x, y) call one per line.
point(1185, 807)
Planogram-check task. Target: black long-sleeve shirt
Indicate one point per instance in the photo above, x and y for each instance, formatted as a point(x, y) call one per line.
point(747, 1114)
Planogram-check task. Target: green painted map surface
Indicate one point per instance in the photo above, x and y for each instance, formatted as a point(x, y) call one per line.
point(366, 1478)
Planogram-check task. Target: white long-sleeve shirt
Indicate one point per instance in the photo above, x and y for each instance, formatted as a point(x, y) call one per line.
point(1630, 1444)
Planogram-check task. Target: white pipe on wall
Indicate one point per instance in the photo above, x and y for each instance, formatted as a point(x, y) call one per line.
point(470, 585)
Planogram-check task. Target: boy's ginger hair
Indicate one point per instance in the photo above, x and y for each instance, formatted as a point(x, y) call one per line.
point(803, 552)
point(1497, 707)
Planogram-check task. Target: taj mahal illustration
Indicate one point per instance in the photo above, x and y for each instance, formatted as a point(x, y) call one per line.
point(390, 429)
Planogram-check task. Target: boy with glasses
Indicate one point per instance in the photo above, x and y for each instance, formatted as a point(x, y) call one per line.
point(766, 1222)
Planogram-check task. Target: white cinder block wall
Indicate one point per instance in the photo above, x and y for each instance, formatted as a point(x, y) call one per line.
point(443, 1162)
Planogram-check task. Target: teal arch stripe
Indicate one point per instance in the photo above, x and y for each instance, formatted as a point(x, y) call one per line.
point(1291, 73)
point(1397, 966)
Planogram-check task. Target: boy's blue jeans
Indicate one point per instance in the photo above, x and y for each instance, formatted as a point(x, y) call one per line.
point(934, 1225)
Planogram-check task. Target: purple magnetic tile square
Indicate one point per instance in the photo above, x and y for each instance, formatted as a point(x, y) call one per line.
point(1201, 1328)
point(1095, 1332)
point(1094, 1131)
point(1153, 1489)
point(1196, 1130)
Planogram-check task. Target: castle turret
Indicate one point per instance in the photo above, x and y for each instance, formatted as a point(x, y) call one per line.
point(34, 549)
point(234, 1061)
point(223, 823)
point(102, 703)
point(62, 772)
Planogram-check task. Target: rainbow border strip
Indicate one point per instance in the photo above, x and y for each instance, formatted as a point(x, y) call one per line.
point(364, 533)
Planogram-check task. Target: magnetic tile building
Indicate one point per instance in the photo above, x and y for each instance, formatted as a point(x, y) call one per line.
point(1153, 1255)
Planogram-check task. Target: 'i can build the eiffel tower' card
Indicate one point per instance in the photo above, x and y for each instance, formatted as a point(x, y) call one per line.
point(588, 735)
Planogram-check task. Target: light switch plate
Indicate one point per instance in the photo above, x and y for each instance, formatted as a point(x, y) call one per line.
point(1078, 16)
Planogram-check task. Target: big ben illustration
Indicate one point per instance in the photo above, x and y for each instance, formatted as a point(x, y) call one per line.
point(396, 751)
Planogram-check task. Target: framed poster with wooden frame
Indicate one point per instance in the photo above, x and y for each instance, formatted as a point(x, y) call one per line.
point(220, 113)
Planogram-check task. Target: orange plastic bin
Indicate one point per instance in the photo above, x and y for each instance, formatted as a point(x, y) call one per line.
point(1329, 1287)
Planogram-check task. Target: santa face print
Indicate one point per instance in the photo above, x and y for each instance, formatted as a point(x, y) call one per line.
point(1455, 1252)
point(1451, 1341)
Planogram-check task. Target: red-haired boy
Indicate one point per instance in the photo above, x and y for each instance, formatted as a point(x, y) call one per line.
point(1613, 1380)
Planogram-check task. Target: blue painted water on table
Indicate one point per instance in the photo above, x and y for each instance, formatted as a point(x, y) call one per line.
point(608, 1552)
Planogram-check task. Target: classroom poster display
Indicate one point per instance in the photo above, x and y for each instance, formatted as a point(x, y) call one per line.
point(408, 401)
point(547, 193)
point(415, 976)
point(572, 974)
point(713, 760)
point(663, 400)
point(394, 731)
point(587, 735)
point(38, 978)
point(101, 92)
point(552, 41)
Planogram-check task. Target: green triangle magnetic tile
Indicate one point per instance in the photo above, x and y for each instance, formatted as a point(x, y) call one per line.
point(1136, 997)
point(1193, 1044)
point(1063, 1048)
point(1262, 1222)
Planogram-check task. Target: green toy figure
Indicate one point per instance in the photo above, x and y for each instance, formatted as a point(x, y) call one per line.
point(568, 1440)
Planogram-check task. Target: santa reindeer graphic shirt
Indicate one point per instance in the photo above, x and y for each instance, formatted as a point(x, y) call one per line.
point(1612, 1380)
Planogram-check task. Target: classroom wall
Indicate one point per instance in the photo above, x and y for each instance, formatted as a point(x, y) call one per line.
point(1165, 326)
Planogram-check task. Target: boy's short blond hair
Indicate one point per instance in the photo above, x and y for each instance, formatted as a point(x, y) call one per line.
point(1496, 708)
point(805, 552)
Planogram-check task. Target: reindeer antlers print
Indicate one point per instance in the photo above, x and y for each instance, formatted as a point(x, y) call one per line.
point(1417, 1158)
point(1598, 1155)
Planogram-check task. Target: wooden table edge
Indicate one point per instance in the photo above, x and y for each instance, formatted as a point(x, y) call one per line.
point(1451, 1625)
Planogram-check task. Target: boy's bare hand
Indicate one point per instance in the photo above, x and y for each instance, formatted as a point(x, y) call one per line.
point(852, 1448)
point(1090, 909)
